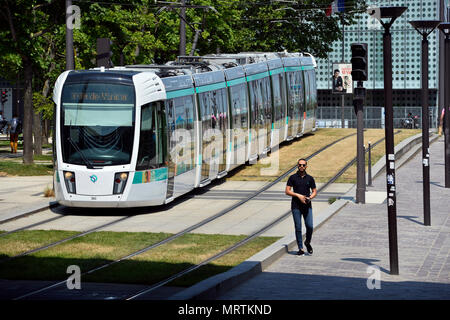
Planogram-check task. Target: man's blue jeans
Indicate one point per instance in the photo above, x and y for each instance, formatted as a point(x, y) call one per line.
point(308, 217)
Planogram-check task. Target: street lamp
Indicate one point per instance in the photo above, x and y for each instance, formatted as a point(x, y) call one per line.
point(390, 14)
point(425, 27)
point(445, 28)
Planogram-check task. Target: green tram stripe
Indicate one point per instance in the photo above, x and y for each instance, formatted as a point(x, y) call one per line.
point(211, 87)
point(258, 76)
point(290, 69)
point(180, 93)
point(235, 82)
point(276, 71)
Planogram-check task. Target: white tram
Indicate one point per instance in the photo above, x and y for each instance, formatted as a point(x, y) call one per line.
point(143, 135)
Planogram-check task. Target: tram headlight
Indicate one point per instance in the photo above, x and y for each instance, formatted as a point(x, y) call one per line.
point(69, 179)
point(120, 180)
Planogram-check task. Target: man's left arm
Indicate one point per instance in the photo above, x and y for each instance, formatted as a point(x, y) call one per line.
point(313, 193)
point(313, 189)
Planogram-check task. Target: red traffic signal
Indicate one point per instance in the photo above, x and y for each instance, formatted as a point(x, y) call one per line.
point(4, 96)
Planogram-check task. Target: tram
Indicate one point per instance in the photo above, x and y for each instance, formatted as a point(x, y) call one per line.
point(143, 135)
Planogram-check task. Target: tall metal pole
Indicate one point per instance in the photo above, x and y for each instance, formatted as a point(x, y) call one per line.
point(342, 61)
point(445, 28)
point(182, 48)
point(447, 112)
point(70, 64)
point(360, 164)
point(369, 166)
point(390, 157)
point(425, 135)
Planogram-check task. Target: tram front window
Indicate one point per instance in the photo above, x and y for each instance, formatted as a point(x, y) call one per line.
point(97, 124)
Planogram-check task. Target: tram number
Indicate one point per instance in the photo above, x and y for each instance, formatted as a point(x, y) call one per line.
point(93, 198)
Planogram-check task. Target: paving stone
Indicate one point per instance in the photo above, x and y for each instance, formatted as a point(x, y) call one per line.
point(357, 238)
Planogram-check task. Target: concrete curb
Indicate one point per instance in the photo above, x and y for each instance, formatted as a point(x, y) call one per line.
point(408, 147)
point(213, 287)
point(217, 285)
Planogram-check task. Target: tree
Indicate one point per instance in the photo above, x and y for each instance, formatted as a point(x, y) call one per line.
point(23, 49)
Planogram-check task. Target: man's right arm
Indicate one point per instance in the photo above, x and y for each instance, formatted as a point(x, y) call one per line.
point(289, 192)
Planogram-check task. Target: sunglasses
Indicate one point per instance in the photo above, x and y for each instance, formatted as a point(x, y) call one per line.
point(302, 165)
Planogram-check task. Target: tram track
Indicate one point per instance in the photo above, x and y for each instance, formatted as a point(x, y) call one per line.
point(251, 196)
point(174, 236)
point(243, 241)
point(224, 211)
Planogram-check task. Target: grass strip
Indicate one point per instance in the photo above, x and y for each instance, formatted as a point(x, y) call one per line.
point(101, 247)
point(377, 153)
point(20, 169)
point(326, 164)
point(289, 153)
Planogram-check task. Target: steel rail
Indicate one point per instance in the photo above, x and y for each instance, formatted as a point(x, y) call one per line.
point(243, 241)
point(183, 232)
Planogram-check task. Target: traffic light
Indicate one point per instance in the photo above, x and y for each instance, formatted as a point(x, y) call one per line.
point(4, 96)
point(104, 52)
point(359, 61)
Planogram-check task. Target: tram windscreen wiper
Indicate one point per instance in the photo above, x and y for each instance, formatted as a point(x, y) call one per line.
point(85, 160)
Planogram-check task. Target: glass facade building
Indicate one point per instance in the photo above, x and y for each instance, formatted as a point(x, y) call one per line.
point(406, 56)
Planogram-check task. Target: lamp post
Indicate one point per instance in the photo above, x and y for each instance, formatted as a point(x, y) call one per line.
point(70, 64)
point(390, 14)
point(445, 28)
point(425, 27)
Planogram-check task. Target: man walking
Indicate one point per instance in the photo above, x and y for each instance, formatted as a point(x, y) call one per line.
point(304, 190)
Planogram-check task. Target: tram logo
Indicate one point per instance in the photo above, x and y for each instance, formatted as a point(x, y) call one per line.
point(93, 178)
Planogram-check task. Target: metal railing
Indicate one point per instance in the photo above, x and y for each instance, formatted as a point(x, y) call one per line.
point(330, 117)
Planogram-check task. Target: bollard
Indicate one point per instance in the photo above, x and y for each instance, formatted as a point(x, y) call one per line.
point(369, 166)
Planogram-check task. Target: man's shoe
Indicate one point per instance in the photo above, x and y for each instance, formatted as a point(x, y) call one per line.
point(309, 248)
point(300, 252)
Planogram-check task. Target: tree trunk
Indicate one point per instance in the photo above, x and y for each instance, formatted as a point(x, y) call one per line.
point(37, 133)
point(46, 131)
point(28, 112)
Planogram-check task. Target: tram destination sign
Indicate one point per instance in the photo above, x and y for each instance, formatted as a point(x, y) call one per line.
point(98, 93)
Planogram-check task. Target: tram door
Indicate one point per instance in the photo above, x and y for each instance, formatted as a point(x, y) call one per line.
point(170, 112)
point(255, 117)
point(222, 125)
point(214, 123)
point(295, 109)
point(267, 114)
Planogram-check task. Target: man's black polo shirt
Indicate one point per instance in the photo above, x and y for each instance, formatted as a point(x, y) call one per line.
point(302, 185)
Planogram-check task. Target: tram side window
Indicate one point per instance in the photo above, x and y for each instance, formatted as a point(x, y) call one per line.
point(222, 103)
point(149, 155)
point(277, 97)
point(295, 96)
point(314, 88)
point(180, 117)
point(256, 102)
point(238, 98)
point(267, 100)
point(301, 93)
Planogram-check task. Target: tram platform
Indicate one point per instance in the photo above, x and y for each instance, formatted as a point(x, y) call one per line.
point(351, 251)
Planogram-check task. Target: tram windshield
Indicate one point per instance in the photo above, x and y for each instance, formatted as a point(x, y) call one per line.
point(97, 123)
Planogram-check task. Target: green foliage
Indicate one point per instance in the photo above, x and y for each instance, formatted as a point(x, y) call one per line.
point(43, 105)
point(143, 33)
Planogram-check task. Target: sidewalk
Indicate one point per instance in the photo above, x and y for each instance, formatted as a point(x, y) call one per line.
point(357, 237)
